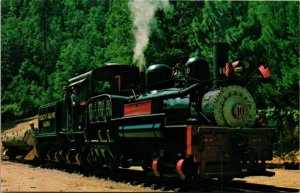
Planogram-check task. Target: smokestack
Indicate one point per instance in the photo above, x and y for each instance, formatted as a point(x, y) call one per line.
point(142, 75)
point(143, 12)
point(220, 52)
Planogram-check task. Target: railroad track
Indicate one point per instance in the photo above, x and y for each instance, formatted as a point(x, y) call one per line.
point(241, 186)
point(285, 165)
point(138, 178)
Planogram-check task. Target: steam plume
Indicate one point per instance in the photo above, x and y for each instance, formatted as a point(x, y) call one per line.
point(142, 12)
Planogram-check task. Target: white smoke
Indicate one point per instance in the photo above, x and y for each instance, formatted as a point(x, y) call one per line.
point(142, 12)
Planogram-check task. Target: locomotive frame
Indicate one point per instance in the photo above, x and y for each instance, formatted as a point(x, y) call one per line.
point(201, 129)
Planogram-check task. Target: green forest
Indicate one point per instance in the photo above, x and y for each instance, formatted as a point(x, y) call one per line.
point(46, 42)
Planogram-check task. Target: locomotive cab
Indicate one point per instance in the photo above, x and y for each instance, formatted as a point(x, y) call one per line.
point(113, 79)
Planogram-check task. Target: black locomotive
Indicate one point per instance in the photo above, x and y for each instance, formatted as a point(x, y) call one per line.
point(178, 121)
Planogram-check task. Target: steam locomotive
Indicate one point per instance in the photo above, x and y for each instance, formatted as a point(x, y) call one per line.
point(168, 121)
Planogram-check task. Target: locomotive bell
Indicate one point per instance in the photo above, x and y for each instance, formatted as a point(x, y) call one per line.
point(159, 76)
point(197, 69)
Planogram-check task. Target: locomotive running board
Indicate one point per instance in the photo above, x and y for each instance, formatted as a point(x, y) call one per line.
point(140, 117)
point(175, 126)
point(236, 129)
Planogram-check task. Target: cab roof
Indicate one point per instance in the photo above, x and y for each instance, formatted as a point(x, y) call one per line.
point(103, 73)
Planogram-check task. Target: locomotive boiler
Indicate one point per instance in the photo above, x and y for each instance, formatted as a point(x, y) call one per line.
point(179, 121)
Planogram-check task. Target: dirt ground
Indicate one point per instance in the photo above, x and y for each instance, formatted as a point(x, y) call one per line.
point(17, 177)
point(282, 178)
